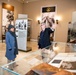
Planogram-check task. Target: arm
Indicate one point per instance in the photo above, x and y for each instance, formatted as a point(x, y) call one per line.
point(51, 30)
point(54, 26)
point(8, 41)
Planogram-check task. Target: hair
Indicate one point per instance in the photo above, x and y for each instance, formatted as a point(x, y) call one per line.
point(43, 23)
point(10, 26)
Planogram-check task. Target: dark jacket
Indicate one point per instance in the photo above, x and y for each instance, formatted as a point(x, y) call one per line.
point(11, 47)
point(44, 40)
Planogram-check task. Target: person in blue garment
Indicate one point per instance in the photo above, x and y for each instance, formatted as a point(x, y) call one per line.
point(45, 33)
point(11, 45)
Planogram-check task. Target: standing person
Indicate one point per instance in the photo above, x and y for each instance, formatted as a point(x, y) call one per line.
point(11, 45)
point(44, 40)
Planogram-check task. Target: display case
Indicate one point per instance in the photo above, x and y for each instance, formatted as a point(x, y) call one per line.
point(3, 32)
point(29, 29)
point(57, 59)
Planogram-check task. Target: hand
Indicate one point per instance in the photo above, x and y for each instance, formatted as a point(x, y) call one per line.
point(54, 26)
point(10, 49)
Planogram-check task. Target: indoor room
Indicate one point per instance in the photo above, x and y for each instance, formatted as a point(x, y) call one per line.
point(37, 37)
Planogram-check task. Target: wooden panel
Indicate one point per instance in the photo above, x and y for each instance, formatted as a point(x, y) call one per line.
point(46, 69)
point(7, 6)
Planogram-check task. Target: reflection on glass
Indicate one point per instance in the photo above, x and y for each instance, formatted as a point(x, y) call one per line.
point(51, 59)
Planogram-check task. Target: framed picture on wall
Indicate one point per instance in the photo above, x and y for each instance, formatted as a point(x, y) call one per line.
point(7, 17)
point(7, 14)
point(48, 14)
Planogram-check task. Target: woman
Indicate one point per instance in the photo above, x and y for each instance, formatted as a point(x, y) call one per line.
point(11, 45)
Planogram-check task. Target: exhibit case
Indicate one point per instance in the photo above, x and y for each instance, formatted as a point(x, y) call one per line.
point(23, 26)
point(57, 59)
point(21, 33)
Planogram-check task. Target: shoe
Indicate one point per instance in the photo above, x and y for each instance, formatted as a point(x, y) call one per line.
point(15, 65)
point(9, 68)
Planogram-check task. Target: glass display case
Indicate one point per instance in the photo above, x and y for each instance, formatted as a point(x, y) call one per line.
point(3, 32)
point(57, 59)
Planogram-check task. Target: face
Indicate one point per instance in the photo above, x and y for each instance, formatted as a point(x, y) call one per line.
point(12, 29)
point(43, 27)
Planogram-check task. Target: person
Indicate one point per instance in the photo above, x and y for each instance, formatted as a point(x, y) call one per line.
point(44, 39)
point(11, 46)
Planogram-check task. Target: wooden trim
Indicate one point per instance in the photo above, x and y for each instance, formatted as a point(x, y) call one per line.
point(7, 6)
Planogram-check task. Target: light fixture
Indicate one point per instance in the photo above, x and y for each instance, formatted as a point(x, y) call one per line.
point(57, 18)
point(8, 6)
point(38, 19)
point(57, 22)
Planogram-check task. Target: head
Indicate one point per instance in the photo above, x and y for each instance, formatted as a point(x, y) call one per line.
point(43, 26)
point(11, 28)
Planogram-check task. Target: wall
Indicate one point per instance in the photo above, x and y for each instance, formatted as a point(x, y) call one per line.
point(64, 9)
point(18, 8)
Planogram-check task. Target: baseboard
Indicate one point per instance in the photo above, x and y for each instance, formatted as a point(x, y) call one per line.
point(34, 40)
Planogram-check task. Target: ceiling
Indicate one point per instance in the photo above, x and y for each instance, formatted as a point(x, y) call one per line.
point(27, 1)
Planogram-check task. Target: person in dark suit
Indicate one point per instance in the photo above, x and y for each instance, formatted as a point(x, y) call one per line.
point(11, 45)
point(44, 39)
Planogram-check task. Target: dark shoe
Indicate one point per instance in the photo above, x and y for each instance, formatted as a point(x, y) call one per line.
point(16, 65)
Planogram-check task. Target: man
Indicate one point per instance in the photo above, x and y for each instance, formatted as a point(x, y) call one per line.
point(44, 40)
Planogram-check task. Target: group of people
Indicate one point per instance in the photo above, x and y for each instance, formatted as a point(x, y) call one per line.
point(11, 42)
